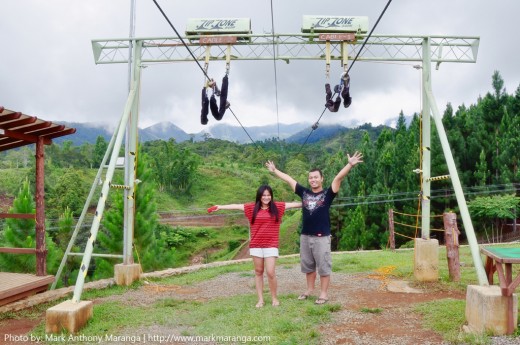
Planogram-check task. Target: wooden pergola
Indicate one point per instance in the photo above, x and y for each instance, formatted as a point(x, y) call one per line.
point(17, 130)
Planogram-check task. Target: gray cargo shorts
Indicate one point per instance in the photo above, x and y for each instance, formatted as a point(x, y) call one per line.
point(315, 254)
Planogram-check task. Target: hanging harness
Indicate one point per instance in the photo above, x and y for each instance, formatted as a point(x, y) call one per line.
point(343, 88)
point(211, 103)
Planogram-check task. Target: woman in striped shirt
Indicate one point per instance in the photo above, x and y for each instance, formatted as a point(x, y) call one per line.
point(265, 216)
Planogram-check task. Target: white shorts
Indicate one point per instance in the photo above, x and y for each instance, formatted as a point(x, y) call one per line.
point(263, 252)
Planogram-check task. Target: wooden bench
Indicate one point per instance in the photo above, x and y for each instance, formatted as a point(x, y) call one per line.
point(501, 260)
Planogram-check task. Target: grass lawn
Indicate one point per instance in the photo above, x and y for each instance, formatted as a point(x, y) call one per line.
point(294, 324)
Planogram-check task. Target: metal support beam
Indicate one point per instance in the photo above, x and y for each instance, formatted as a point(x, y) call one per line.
point(425, 144)
point(290, 47)
point(78, 289)
point(461, 200)
point(131, 160)
point(86, 206)
point(425, 49)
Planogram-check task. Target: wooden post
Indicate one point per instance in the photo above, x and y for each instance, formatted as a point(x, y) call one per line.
point(391, 228)
point(41, 251)
point(451, 239)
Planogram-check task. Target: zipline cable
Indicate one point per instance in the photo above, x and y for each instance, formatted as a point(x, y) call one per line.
point(195, 59)
point(254, 143)
point(182, 40)
point(314, 127)
point(369, 34)
point(275, 71)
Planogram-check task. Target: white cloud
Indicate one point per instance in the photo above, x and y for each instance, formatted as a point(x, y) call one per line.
point(48, 68)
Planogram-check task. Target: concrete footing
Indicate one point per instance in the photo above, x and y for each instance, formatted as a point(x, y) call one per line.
point(426, 261)
point(69, 316)
point(487, 309)
point(126, 274)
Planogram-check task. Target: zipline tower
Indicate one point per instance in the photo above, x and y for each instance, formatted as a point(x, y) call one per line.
point(322, 38)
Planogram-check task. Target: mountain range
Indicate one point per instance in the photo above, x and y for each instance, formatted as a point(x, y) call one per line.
point(296, 132)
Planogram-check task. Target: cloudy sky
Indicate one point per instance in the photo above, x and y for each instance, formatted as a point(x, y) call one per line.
point(47, 66)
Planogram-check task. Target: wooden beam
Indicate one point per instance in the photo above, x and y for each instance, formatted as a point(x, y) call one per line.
point(18, 123)
point(12, 116)
point(18, 215)
point(17, 250)
point(22, 136)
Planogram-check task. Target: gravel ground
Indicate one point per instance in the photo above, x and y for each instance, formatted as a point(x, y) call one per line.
point(397, 324)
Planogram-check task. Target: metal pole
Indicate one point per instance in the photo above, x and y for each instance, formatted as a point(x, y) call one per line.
point(102, 200)
point(127, 227)
point(131, 160)
point(461, 200)
point(85, 209)
point(425, 145)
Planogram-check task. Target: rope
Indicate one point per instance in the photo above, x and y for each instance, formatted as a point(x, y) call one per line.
point(397, 233)
point(407, 225)
point(146, 281)
point(148, 284)
point(416, 215)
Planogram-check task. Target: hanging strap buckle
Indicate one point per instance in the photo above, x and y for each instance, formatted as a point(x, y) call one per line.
point(327, 59)
point(228, 58)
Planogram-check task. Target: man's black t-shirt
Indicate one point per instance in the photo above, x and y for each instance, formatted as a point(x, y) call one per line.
point(315, 208)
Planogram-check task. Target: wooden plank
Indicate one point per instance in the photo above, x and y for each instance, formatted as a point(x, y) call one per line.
point(18, 215)
point(22, 295)
point(16, 284)
point(17, 250)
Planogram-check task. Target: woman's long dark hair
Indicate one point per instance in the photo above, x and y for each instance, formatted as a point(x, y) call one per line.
point(273, 211)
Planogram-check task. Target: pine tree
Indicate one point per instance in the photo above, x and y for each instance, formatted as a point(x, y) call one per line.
point(150, 250)
point(62, 238)
point(99, 151)
point(21, 233)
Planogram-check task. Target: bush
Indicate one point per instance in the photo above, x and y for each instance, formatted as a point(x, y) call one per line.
point(233, 244)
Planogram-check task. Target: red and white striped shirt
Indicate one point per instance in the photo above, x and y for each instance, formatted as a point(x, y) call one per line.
point(265, 232)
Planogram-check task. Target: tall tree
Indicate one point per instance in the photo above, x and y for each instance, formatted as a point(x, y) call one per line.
point(68, 192)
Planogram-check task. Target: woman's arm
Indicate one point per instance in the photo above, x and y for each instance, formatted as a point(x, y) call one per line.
point(239, 207)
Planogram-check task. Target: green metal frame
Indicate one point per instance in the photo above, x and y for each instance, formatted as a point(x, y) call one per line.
point(285, 47)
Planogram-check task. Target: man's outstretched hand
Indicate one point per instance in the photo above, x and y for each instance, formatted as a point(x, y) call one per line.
point(355, 159)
